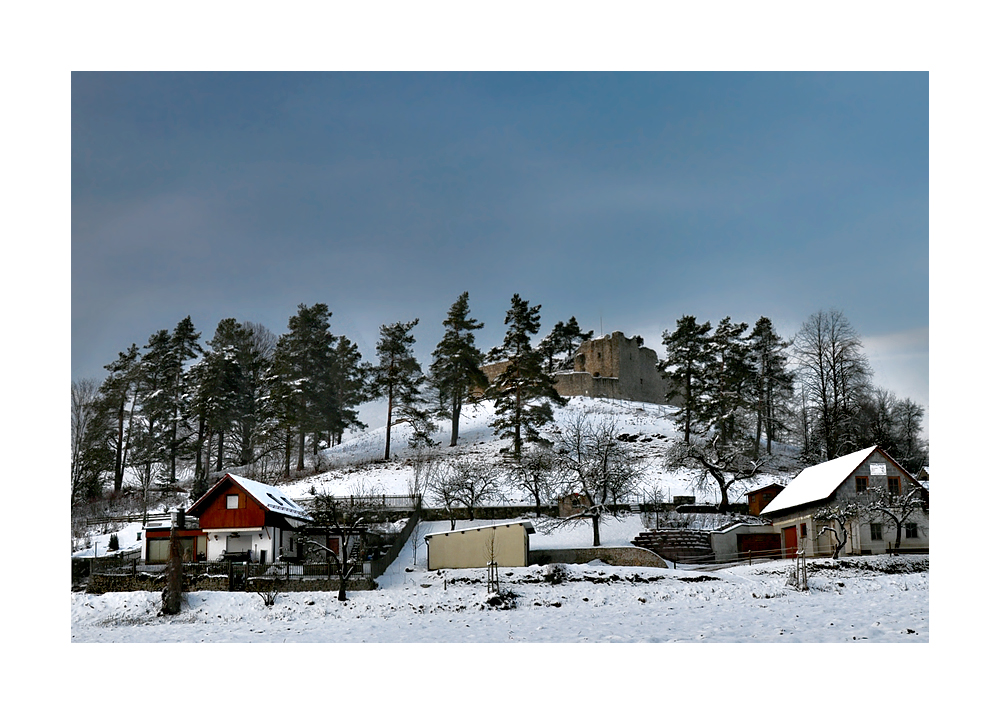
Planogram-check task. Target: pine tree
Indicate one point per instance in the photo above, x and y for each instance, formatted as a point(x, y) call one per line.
point(183, 347)
point(398, 377)
point(913, 452)
point(728, 379)
point(346, 388)
point(304, 354)
point(687, 361)
point(456, 368)
point(523, 393)
point(233, 397)
point(155, 405)
point(116, 404)
point(562, 342)
point(773, 383)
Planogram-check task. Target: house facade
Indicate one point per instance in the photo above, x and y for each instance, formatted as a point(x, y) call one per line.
point(843, 481)
point(156, 540)
point(241, 516)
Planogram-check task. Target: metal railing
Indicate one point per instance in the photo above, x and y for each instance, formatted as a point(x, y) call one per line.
point(384, 502)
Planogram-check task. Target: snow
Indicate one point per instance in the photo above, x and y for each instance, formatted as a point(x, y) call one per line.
point(356, 465)
point(598, 603)
point(271, 497)
point(817, 482)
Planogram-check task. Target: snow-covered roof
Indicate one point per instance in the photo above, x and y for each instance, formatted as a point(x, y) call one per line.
point(270, 497)
point(527, 526)
point(817, 482)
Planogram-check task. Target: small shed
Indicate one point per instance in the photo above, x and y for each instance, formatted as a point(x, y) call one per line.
point(506, 544)
point(757, 500)
point(572, 504)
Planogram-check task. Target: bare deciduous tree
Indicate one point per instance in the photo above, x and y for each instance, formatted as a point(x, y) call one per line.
point(594, 461)
point(475, 482)
point(835, 376)
point(716, 464)
point(535, 473)
point(345, 518)
point(84, 472)
point(838, 518)
point(896, 507)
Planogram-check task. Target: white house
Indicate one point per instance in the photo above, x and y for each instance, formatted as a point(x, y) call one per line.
point(841, 481)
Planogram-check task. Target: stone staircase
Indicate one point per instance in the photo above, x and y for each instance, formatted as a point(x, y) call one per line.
point(678, 545)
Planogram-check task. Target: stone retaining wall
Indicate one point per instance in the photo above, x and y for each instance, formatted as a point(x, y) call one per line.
point(637, 557)
point(101, 583)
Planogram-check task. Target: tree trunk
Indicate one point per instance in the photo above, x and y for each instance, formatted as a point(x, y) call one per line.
point(198, 464)
point(172, 592)
point(388, 425)
point(288, 452)
point(119, 443)
point(456, 412)
point(596, 521)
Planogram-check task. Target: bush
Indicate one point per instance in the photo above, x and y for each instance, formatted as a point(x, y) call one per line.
point(113, 542)
point(555, 573)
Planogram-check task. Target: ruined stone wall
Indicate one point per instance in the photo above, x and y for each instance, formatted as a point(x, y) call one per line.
point(612, 367)
point(616, 367)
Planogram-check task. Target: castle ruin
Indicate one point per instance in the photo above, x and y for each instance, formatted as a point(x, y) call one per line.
point(616, 367)
point(613, 366)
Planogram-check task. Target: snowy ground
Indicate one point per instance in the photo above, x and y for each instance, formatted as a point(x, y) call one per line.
point(356, 465)
point(597, 603)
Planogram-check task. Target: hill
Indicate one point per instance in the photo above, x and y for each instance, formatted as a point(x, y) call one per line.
point(356, 466)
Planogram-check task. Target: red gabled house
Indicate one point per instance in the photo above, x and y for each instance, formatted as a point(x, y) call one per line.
point(244, 519)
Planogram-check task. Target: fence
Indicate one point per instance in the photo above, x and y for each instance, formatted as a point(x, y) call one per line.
point(381, 501)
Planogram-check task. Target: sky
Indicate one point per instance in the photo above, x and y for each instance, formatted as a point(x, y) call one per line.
point(624, 199)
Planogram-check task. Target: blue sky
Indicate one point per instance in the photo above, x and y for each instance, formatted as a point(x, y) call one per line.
point(624, 199)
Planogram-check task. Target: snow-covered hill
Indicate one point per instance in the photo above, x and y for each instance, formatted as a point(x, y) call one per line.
point(356, 465)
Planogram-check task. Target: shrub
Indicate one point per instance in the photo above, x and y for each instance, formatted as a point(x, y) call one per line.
point(555, 573)
point(113, 542)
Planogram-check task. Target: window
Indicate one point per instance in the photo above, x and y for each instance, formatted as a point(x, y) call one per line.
point(802, 530)
point(233, 501)
point(911, 530)
point(894, 485)
point(861, 484)
point(876, 531)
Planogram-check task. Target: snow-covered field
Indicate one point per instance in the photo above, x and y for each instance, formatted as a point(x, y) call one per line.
point(596, 603)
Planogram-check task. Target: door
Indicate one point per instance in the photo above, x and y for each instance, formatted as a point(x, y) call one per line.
point(791, 540)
